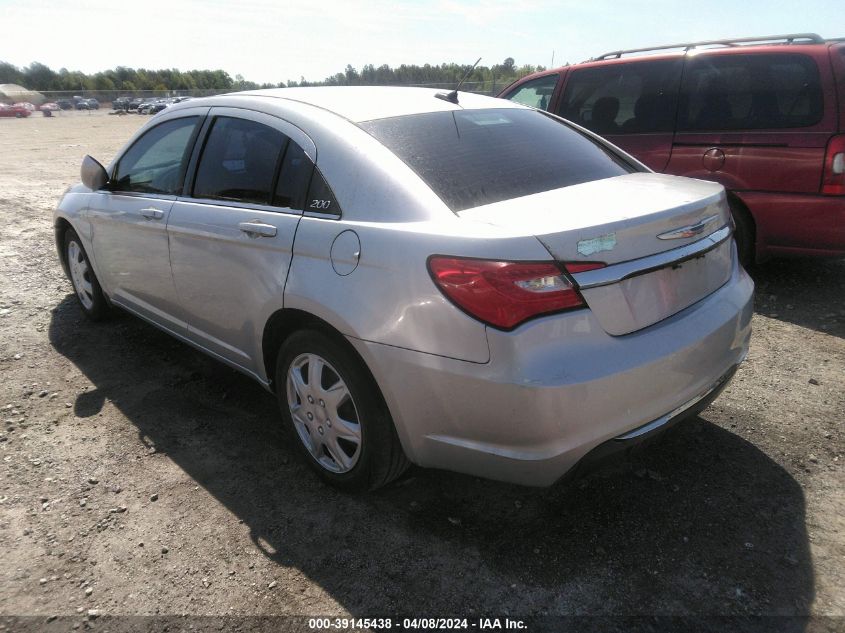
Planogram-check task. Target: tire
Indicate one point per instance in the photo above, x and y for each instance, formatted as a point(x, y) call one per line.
point(743, 234)
point(86, 287)
point(339, 423)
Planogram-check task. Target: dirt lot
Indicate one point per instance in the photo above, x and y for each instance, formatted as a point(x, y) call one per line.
point(140, 477)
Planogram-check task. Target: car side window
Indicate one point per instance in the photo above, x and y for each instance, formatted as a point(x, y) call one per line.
point(157, 161)
point(239, 161)
point(536, 93)
point(751, 92)
point(293, 178)
point(629, 98)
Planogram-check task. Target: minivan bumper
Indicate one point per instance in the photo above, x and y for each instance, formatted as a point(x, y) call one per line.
point(557, 388)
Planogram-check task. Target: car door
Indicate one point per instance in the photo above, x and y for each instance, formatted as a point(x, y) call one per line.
point(129, 219)
point(631, 104)
point(231, 234)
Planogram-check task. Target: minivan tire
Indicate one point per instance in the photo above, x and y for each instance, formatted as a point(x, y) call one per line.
point(743, 234)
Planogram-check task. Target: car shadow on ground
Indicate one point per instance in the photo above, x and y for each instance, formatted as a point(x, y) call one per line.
point(804, 291)
point(702, 523)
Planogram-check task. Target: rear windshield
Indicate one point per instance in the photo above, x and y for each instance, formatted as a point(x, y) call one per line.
point(475, 157)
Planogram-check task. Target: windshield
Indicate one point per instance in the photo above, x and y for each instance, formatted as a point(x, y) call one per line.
point(475, 157)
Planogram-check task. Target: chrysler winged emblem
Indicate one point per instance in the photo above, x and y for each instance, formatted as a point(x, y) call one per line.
point(688, 231)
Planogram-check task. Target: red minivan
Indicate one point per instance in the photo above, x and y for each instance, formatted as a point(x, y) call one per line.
point(765, 117)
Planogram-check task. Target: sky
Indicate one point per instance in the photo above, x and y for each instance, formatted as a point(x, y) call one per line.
point(266, 41)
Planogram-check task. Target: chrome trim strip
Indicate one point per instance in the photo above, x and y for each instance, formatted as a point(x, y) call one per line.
point(235, 204)
point(321, 216)
point(663, 419)
point(632, 268)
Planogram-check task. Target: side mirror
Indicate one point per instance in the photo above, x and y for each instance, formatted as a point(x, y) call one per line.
point(94, 175)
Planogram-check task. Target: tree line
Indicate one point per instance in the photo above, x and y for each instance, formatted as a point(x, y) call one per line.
point(39, 77)
point(121, 79)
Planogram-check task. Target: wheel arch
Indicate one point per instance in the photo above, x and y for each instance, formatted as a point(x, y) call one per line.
point(284, 322)
point(738, 207)
point(61, 227)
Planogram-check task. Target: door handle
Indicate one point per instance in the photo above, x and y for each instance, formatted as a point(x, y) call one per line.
point(152, 213)
point(257, 229)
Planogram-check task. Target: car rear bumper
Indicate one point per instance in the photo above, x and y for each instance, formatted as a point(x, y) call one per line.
point(637, 438)
point(557, 388)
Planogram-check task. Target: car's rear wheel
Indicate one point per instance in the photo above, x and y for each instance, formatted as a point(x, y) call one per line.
point(85, 285)
point(336, 414)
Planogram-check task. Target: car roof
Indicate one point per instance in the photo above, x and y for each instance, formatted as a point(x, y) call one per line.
point(365, 103)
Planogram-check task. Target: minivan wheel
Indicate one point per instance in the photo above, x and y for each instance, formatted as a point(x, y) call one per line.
point(88, 292)
point(335, 413)
point(743, 234)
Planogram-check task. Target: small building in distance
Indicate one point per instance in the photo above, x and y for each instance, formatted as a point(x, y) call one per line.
point(13, 93)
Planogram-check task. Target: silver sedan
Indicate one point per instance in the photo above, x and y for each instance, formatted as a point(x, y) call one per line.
point(447, 280)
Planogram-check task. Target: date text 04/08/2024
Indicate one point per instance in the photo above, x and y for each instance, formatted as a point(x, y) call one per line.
point(482, 624)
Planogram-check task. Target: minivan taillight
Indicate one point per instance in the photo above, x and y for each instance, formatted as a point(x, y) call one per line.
point(505, 294)
point(833, 181)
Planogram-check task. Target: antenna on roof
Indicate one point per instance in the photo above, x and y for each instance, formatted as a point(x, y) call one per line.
point(452, 97)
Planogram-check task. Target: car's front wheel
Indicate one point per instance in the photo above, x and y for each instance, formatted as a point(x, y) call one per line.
point(88, 291)
point(336, 413)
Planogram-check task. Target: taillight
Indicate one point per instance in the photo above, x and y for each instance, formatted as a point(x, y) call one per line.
point(833, 181)
point(504, 294)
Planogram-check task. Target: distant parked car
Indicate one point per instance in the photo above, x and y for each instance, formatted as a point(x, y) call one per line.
point(121, 103)
point(152, 106)
point(64, 104)
point(763, 116)
point(144, 106)
point(51, 106)
point(134, 103)
point(93, 104)
point(82, 104)
point(16, 111)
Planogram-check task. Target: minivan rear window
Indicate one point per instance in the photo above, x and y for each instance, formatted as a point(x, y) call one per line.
point(471, 158)
point(751, 92)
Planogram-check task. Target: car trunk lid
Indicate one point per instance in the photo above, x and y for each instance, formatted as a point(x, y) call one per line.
point(664, 241)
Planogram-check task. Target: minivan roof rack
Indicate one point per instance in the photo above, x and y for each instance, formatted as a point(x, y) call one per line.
point(812, 38)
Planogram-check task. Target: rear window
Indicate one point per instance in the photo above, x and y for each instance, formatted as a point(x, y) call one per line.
point(471, 158)
point(751, 92)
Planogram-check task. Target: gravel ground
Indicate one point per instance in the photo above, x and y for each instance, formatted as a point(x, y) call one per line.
point(140, 477)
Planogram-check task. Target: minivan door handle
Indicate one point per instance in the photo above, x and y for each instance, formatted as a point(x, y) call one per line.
point(152, 213)
point(257, 229)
